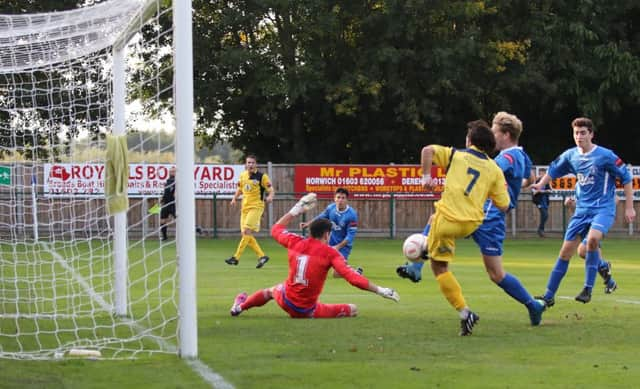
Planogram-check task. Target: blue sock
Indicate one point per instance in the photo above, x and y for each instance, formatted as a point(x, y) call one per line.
point(603, 263)
point(556, 276)
point(417, 265)
point(425, 232)
point(592, 261)
point(514, 288)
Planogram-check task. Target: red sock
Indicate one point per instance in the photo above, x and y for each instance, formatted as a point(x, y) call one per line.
point(258, 299)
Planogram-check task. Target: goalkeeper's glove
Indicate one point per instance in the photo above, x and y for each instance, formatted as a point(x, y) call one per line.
point(388, 293)
point(306, 203)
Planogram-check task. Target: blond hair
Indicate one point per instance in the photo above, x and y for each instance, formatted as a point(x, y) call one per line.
point(508, 123)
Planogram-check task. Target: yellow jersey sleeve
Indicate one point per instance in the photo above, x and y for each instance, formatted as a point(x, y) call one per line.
point(499, 193)
point(441, 155)
point(266, 182)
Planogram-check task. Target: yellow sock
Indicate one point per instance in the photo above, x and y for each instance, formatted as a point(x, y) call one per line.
point(241, 246)
point(253, 243)
point(451, 289)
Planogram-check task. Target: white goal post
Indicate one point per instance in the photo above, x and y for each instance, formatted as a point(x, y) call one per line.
point(72, 276)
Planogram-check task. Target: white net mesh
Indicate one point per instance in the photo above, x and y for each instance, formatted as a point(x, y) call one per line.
point(56, 250)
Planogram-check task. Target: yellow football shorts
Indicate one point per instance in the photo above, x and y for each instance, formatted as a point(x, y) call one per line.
point(250, 218)
point(441, 241)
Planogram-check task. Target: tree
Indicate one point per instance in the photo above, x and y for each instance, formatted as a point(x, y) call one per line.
point(344, 81)
point(582, 60)
point(373, 80)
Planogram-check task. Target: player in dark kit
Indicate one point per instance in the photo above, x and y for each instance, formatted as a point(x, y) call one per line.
point(168, 202)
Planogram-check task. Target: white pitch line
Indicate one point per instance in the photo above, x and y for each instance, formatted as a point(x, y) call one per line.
point(213, 378)
point(636, 302)
point(79, 279)
point(623, 301)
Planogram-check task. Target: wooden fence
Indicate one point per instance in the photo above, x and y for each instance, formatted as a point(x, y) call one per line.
point(389, 217)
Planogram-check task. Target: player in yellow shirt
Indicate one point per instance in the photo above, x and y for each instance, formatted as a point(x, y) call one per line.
point(252, 185)
point(472, 177)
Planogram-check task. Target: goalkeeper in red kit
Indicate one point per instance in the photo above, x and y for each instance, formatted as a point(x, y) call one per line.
point(310, 260)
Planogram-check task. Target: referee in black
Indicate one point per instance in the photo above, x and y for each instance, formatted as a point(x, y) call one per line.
point(168, 202)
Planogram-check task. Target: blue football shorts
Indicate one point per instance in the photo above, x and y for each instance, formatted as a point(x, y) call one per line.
point(600, 219)
point(490, 236)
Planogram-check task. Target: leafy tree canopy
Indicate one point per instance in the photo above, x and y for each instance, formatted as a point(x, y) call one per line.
point(374, 80)
point(371, 81)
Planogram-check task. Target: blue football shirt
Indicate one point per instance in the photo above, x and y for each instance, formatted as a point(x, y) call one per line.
point(596, 173)
point(516, 166)
point(344, 225)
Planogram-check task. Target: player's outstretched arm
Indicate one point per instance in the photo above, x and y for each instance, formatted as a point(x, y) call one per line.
point(426, 161)
point(359, 281)
point(540, 185)
point(305, 203)
point(387, 293)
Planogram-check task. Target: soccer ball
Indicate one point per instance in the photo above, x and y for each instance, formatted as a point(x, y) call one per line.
point(413, 247)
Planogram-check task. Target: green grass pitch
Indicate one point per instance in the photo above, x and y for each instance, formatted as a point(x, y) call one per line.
point(411, 344)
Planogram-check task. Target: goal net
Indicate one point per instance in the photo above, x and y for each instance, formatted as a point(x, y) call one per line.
point(72, 275)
